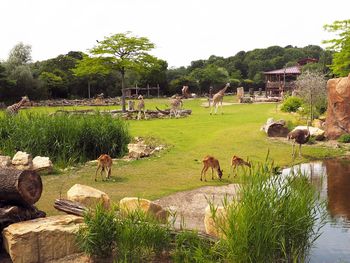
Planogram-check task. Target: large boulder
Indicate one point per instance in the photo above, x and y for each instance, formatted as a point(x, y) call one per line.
point(275, 128)
point(131, 204)
point(210, 225)
point(338, 109)
point(43, 239)
point(5, 161)
point(22, 161)
point(42, 164)
point(88, 196)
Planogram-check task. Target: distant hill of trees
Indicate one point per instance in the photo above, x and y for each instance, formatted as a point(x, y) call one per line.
point(54, 78)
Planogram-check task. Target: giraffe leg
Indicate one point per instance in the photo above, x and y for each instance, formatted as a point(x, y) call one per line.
point(216, 108)
point(139, 115)
point(221, 108)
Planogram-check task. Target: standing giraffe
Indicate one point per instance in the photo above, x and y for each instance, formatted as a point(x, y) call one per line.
point(218, 97)
point(176, 104)
point(13, 109)
point(141, 107)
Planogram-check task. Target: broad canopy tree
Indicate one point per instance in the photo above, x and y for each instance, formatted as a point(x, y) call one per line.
point(341, 45)
point(91, 67)
point(124, 52)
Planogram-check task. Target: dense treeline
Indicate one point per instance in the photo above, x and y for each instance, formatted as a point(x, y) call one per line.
point(55, 78)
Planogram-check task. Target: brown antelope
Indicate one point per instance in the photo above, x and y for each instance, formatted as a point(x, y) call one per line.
point(235, 162)
point(210, 161)
point(218, 98)
point(105, 163)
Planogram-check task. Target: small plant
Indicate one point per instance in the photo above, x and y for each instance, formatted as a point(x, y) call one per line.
point(345, 138)
point(291, 104)
point(132, 237)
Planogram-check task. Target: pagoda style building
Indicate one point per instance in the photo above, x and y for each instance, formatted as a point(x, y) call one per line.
point(282, 80)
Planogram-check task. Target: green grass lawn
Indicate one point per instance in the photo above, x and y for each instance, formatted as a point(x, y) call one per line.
point(178, 167)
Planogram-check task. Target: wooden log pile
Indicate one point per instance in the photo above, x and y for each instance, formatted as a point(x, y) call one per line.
point(19, 191)
point(132, 114)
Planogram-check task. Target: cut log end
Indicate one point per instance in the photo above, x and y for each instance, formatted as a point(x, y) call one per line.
point(30, 186)
point(20, 187)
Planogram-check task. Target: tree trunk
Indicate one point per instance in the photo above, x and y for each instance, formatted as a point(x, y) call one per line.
point(123, 90)
point(10, 214)
point(20, 187)
point(89, 89)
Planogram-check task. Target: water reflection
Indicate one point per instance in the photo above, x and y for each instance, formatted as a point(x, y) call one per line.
point(332, 179)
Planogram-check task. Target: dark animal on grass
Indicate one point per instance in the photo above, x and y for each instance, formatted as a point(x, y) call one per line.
point(237, 161)
point(211, 162)
point(104, 162)
point(299, 136)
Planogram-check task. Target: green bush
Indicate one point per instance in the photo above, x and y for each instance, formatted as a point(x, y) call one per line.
point(291, 104)
point(65, 139)
point(132, 237)
point(345, 138)
point(274, 219)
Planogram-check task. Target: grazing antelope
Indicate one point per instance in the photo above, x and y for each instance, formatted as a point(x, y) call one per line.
point(105, 163)
point(141, 107)
point(218, 98)
point(210, 161)
point(176, 105)
point(14, 109)
point(235, 162)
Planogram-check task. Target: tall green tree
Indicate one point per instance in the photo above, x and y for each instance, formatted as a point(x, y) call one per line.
point(90, 68)
point(341, 45)
point(125, 52)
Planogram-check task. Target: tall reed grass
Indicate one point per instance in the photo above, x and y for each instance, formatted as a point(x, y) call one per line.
point(274, 219)
point(65, 139)
point(132, 237)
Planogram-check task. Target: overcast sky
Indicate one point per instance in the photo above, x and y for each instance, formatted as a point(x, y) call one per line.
point(182, 30)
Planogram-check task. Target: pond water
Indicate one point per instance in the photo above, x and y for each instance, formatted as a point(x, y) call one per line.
point(332, 179)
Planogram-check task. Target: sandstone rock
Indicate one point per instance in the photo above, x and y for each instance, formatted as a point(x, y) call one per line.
point(338, 109)
point(5, 161)
point(43, 239)
point(88, 196)
point(22, 161)
point(315, 132)
point(139, 150)
point(42, 163)
point(209, 223)
point(275, 128)
point(130, 204)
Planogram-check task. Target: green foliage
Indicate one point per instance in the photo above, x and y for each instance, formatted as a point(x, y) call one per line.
point(132, 237)
point(65, 139)
point(189, 247)
point(273, 220)
point(345, 138)
point(291, 104)
point(341, 45)
point(97, 236)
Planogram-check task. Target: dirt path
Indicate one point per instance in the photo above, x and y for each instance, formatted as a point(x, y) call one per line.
point(191, 204)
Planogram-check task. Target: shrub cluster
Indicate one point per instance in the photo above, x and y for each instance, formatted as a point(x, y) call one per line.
point(291, 104)
point(65, 139)
point(345, 138)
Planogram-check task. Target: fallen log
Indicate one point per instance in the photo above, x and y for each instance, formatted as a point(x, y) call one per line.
point(70, 207)
point(10, 214)
point(20, 187)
